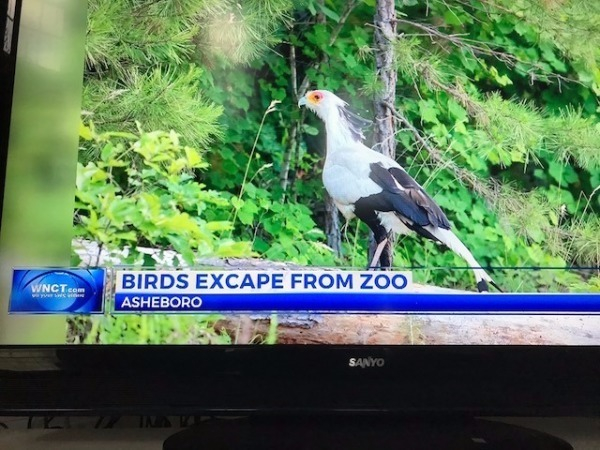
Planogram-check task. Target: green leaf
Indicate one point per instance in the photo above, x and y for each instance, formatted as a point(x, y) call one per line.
point(193, 157)
point(222, 225)
point(428, 111)
point(502, 80)
point(329, 12)
point(85, 132)
point(457, 111)
point(451, 18)
point(148, 260)
point(182, 246)
point(246, 213)
point(310, 130)
point(237, 203)
point(233, 249)
point(522, 28)
point(561, 173)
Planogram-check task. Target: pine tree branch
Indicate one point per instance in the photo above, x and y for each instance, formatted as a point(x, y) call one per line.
point(460, 42)
point(478, 49)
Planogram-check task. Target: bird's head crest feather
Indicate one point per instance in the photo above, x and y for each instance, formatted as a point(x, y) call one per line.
point(329, 107)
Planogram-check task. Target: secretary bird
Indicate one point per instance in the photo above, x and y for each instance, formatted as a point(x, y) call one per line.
point(373, 187)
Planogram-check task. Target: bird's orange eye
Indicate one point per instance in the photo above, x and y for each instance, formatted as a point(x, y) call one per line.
point(317, 97)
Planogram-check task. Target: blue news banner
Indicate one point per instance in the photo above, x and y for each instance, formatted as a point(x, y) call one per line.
point(182, 291)
point(82, 291)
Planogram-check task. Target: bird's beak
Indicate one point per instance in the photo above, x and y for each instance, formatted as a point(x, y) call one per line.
point(302, 101)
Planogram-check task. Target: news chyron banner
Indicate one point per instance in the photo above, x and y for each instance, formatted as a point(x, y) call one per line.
point(321, 291)
point(57, 291)
point(132, 291)
point(250, 291)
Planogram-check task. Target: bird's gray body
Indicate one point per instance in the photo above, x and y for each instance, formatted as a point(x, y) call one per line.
point(347, 182)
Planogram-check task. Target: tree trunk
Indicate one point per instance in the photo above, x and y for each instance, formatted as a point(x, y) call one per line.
point(292, 147)
point(384, 136)
point(385, 31)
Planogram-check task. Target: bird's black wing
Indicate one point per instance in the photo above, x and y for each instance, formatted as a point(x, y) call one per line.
point(407, 197)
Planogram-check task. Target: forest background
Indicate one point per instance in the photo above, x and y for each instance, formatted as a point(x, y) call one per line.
point(191, 138)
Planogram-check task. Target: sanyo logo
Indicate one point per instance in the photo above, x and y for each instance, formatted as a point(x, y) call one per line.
point(366, 362)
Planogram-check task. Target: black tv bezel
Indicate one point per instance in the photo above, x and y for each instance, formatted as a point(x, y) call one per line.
point(194, 380)
point(122, 379)
point(7, 77)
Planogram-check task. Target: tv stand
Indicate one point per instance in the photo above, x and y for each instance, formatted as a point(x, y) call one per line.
point(352, 432)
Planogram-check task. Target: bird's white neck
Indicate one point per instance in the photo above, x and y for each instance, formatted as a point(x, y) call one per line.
point(339, 134)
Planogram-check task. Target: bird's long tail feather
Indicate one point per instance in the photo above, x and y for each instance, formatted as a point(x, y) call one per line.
point(448, 238)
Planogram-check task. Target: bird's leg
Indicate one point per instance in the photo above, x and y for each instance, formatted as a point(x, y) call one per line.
point(377, 254)
point(385, 260)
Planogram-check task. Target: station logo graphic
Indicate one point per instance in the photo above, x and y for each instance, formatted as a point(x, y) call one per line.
point(57, 291)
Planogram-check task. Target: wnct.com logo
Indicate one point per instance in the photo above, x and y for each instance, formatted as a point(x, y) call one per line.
point(57, 291)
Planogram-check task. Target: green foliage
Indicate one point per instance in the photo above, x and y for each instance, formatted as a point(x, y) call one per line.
point(131, 82)
point(553, 22)
point(584, 247)
point(145, 329)
point(574, 136)
point(142, 191)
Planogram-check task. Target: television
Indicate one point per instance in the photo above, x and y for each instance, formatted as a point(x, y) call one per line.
point(167, 245)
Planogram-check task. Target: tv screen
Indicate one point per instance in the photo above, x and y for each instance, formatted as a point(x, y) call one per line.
point(211, 173)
